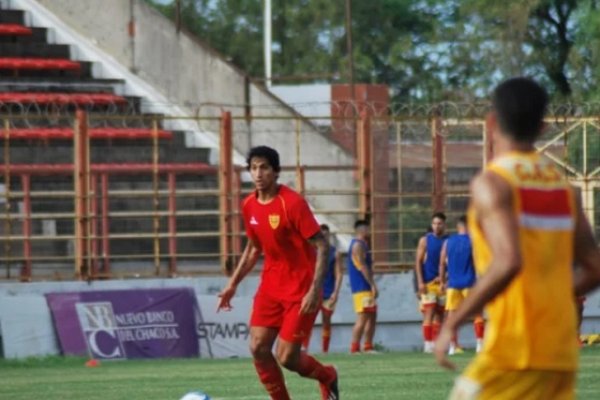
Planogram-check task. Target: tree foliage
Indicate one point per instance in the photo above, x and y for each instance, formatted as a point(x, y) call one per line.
point(426, 50)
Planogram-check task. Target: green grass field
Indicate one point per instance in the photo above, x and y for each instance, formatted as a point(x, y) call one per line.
point(384, 376)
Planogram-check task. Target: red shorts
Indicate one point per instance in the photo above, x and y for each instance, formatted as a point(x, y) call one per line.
point(284, 315)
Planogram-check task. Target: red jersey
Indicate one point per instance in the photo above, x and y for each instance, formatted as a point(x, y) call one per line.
point(282, 228)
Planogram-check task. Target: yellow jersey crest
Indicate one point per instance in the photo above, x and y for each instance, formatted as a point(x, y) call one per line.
point(274, 220)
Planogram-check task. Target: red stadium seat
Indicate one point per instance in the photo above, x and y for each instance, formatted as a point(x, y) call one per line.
point(95, 133)
point(38, 63)
point(113, 168)
point(14, 30)
point(62, 98)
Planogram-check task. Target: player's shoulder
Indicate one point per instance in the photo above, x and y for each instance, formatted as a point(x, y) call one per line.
point(490, 187)
point(290, 197)
point(249, 200)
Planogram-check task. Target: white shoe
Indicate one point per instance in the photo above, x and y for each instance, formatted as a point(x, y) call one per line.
point(451, 350)
point(428, 347)
point(479, 345)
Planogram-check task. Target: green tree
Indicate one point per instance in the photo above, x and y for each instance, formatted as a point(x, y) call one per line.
point(426, 50)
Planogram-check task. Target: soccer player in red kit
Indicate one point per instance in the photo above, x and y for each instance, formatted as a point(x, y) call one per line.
point(279, 224)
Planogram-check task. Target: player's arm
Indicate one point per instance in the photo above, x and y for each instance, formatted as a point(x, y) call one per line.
point(245, 265)
point(586, 253)
point(359, 258)
point(310, 302)
point(421, 249)
point(443, 264)
point(492, 199)
point(339, 276)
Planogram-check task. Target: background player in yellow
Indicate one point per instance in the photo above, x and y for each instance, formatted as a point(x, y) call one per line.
point(457, 276)
point(528, 230)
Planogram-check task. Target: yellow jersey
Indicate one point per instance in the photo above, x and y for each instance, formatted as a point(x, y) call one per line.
point(532, 323)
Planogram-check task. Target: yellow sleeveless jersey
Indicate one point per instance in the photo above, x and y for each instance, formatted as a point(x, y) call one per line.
point(532, 323)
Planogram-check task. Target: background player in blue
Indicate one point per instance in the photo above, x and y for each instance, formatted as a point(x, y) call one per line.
point(427, 271)
point(457, 275)
point(331, 290)
point(362, 285)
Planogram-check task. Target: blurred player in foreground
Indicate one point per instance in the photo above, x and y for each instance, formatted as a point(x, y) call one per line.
point(457, 275)
point(279, 224)
point(331, 290)
point(427, 268)
point(528, 229)
point(364, 290)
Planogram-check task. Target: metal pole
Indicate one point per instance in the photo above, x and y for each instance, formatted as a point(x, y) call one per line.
point(267, 41)
point(105, 225)
point(350, 50)
point(7, 221)
point(364, 163)
point(81, 178)
point(399, 189)
point(438, 167)
point(155, 197)
point(225, 180)
point(172, 225)
point(26, 269)
point(93, 262)
point(299, 177)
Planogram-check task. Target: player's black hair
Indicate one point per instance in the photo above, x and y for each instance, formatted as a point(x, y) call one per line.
point(439, 215)
point(267, 153)
point(463, 219)
point(520, 104)
point(360, 222)
point(324, 227)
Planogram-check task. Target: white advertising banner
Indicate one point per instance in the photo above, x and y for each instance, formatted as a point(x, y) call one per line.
point(224, 334)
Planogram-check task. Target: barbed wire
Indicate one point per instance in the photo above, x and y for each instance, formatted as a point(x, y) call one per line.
point(341, 114)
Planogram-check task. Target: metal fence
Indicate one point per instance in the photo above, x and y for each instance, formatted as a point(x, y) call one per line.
point(160, 202)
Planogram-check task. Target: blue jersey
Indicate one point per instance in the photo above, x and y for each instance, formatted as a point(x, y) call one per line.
point(461, 271)
point(431, 267)
point(358, 283)
point(329, 283)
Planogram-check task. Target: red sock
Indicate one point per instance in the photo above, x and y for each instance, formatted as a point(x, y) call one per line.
point(455, 339)
point(355, 347)
point(271, 377)
point(479, 328)
point(306, 342)
point(326, 339)
point(427, 333)
point(311, 368)
point(368, 346)
point(435, 328)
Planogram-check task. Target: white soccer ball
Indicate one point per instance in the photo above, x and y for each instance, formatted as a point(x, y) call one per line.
point(196, 395)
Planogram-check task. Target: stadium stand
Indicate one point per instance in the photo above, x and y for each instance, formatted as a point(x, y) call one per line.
point(41, 88)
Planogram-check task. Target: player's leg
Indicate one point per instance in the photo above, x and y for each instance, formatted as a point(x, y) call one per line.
point(360, 300)
point(370, 326)
point(357, 332)
point(267, 317)
point(267, 368)
point(428, 311)
point(453, 299)
point(479, 328)
point(440, 309)
point(293, 331)
point(326, 314)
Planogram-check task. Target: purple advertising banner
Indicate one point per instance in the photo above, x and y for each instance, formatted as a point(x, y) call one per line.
point(116, 324)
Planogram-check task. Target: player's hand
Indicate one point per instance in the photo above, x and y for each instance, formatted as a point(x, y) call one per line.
point(375, 291)
point(310, 302)
point(333, 301)
point(225, 298)
point(442, 344)
point(422, 289)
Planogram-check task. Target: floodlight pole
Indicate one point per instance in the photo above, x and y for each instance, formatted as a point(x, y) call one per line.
point(267, 41)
